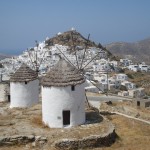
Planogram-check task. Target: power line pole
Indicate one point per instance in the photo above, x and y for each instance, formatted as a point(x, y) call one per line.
point(37, 45)
point(107, 83)
point(107, 76)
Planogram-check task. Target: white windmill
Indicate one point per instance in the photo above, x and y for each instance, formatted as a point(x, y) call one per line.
point(63, 93)
point(24, 83)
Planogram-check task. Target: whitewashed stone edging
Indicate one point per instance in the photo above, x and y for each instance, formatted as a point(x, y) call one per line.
point(88, 142)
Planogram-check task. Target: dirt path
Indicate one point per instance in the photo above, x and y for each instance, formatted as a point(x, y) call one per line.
point(148, 122)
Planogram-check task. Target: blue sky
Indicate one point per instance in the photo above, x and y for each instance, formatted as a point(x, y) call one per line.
point(24, 21)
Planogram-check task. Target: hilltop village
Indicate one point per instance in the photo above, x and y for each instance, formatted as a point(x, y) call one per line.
point(66, 89)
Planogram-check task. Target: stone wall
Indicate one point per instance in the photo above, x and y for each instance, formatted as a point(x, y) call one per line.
point(87, 142)
point(21, 139)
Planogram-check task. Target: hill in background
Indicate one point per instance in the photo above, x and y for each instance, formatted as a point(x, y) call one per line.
point(67, 37)
point(74, 38)
point(138, 51)
point(3, 56)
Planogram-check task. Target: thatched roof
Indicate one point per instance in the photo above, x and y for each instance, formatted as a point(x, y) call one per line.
point(63, 74)
point(24, 73)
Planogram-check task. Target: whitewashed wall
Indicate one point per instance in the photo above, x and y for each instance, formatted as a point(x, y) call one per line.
point(24, 95)
point(57, 99)
point(4, 92)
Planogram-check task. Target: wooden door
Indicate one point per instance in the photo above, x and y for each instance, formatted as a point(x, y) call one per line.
point(66, 117)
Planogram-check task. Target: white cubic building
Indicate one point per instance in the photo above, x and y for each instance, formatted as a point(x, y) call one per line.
point(143, 68)
point(134, 68)
point(63, 96)
point(24, 87)
point(121, 77)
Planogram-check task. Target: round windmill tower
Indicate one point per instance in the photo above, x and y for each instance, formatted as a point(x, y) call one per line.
point(63, 93)
point(24, 87)
point(63, 96)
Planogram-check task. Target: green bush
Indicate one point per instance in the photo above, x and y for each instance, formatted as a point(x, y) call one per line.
point(130, 76)
point(123, 88)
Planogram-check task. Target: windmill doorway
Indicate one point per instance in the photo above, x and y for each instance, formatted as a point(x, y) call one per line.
point(138, 103)
point(8, 98)
point(66, 117)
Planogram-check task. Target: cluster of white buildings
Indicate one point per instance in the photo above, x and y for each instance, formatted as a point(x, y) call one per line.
point(44, 57)
point(104, 65)
point(127, 63)
point(117, 82)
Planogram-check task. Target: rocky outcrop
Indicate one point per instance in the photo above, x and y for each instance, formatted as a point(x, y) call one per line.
point(87, 142)
point(21, 139)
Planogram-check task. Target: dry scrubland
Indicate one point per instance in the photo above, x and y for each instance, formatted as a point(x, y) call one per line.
point(28, 121)
point(128, 108)
point(141, 79)
point(131, 134)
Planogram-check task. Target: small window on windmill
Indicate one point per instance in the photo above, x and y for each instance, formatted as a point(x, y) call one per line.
point(25, 82)
point(72, 88)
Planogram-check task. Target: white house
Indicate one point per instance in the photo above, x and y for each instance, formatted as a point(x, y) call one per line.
point(126, 62)
point(143, 68)
point(112, 81)
point(134, 68)
point(138, 92)
point(114, 63)
point(101, 67)
point(63, 96)
point(123, 93)
point(103, 86)
point(121, 77)
point(128, 85)
point(97, 77)
point(24, 87)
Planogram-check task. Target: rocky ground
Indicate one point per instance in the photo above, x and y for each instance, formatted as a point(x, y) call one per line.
point(132, 134)
point(128, 108)
point(28, 122)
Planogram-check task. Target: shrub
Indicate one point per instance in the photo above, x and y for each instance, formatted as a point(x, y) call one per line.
point(123, 88)
point(130, 76)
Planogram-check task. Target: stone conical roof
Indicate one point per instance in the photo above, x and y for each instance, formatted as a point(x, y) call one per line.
point(63, 74)
point(24, 73)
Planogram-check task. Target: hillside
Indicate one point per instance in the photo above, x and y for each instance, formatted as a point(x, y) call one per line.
point(66, 39)
point(74, 38)
point(138, 51)
point(2, 56)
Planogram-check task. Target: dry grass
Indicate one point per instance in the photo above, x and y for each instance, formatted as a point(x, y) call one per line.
point(37, 120)
point(109, 117)
point(139, 78)
point(128, 108)
point(132, 135)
